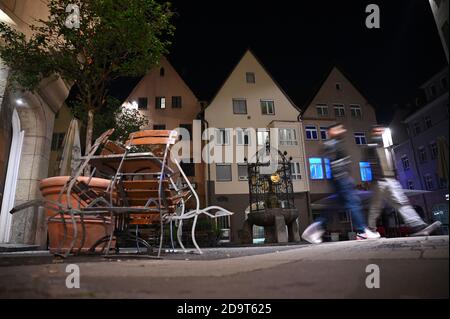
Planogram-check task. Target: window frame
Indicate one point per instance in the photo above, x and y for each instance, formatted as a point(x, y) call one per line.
point(422, 154)
point(323, 129)
point(225, 138)
point(250, 75)
point(159, 102)
point(231, 172)
point(245, 104)
point(405, 160)
point(296, 174)
point(309, 128)
point(428, 179)
point(139, 103)
point(327, 166)
point(267, 139)
point(340, 107)
point(177, 102)
point(322, 107)
point(434, 151)
point(242, 178)
point(241, 133)
point(358, 136)
point(365, 172)
point(267, 109)
point(318, 165)
point(187, 127)
point(287, 142)
point(354, 107)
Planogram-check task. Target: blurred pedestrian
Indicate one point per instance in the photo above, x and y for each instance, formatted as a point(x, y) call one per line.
point(387, 189)
point(334, 149)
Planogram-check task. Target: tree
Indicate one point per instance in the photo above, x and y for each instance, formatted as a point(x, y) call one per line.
point(113, 39)
point(125, 121)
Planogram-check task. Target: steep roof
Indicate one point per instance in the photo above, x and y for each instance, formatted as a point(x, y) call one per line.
point(248, 50)
point(316, 89)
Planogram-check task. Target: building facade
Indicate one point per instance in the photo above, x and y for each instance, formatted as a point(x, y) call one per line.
point(336, 101)
point(25, 135)
point(417, 156)
point(440, 13)
point(251, 99)
point(168, 103)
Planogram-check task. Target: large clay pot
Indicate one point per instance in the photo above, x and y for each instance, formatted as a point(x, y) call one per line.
point(96, 227)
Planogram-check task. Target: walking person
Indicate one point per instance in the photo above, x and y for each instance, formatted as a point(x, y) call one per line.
point(387, 189)
point(334, 149)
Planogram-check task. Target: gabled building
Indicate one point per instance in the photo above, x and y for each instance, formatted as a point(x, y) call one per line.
point(251, 98)
point(418, 154)
point(336, 99)
point(168, 103)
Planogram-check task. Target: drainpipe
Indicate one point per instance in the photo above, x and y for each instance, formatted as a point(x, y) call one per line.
point(308, 193)
point(201, 116)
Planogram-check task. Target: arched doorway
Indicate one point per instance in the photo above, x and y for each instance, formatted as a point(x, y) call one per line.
point(11, 178)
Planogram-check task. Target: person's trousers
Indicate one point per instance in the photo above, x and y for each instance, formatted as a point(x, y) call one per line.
point(349, 199)
point(390, 191)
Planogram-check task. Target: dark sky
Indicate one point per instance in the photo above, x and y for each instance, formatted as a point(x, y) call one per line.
point(298, 41)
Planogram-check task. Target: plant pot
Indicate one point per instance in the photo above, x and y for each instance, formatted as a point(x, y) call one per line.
point(96, 227)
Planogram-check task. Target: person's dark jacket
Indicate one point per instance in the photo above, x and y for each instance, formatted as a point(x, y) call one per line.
point(334, 150)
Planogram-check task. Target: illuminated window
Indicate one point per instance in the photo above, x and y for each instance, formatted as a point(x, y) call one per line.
point(160, 102)
point(315, 168)
point(366, 171)
point(328, 168)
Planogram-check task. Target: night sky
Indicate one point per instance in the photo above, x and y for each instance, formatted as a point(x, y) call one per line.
point(298, 41)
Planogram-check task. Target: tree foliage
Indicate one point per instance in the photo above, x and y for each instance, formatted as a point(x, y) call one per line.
point(114, 39)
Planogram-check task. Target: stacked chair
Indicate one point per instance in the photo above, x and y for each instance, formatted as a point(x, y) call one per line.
point(142, 192)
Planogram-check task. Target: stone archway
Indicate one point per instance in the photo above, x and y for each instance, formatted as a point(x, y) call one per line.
point(37, 114)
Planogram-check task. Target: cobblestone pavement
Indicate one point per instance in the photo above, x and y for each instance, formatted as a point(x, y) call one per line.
point(409, 268)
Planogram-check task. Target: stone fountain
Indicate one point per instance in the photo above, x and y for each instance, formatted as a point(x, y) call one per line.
point(271, 199)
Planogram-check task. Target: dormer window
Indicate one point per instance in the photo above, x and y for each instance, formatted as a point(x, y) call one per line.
point(162, 72)
point(338, 86)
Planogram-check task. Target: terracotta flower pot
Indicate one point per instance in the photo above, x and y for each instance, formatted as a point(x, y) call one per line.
point(96, 228)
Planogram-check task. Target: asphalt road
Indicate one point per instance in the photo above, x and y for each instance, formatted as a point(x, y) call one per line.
point(408, 268)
